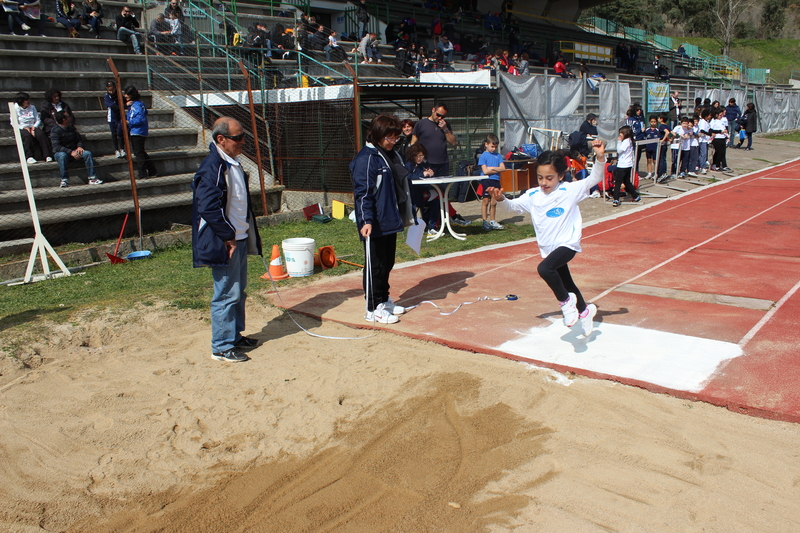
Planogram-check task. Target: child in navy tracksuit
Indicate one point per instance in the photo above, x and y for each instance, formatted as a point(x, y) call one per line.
point(663, 118)
point(114, 120)
point(651, 149)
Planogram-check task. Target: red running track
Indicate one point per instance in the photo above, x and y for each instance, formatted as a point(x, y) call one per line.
point(697, 297)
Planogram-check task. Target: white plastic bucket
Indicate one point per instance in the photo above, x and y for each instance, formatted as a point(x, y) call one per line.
point(299, 255)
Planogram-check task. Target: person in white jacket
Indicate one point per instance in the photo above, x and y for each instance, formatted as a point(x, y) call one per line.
point(553, 206)
point(30, 128)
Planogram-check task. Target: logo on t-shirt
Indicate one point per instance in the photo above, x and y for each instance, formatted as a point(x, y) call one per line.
point(555, 212)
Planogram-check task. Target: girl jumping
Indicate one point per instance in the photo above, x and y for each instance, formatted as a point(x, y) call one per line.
point(553, 206)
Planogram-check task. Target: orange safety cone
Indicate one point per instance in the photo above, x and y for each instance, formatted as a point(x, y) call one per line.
point(327, 257)
point(276, 270)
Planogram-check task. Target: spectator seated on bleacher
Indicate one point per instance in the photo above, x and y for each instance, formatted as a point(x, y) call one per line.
point(93, 16)
point(368, 48)
point(13, 16)
point(52, 105)
point(127, 24)
point(663, 73)
point(258, 44)
point(334, 52)
point(595, 79)
point(30, 129)
point(66, 14)
point(174, 10)
point(32, 15)
point(319, 39)
point(68, 147)
point(446, 49)
point(161, 33)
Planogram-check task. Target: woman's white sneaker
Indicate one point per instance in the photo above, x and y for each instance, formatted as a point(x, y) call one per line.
point(381, 315)
point(393, 307)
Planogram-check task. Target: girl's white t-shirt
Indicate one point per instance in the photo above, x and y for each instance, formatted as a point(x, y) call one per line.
point(556, 216)
point(695, 132)
point(625, 154)
point(704, 126)
point(721, 125)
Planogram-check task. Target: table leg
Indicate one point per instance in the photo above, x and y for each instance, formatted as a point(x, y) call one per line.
point(445, 207)
point(442, 212)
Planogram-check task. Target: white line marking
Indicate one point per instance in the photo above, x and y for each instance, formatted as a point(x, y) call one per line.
point(764, 319)
point(686, 251)
point(671, 360)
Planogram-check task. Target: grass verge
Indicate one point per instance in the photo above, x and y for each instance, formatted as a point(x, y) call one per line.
point(168, 275)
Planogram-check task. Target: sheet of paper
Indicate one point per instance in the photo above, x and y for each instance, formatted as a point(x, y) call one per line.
point(414, 236)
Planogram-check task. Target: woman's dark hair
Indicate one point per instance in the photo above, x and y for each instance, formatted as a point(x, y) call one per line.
point(525, 56)
point(131, 91)
point(590, 117)
point(415, 149)
point(21, 98)
point(383, 126)
point(626, 132)
point(751, 106)
point(705, 113)
point(50, 93)
point(557, 158)
point(407, 122)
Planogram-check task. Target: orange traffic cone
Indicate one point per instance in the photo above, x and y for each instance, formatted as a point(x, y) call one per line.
point(276, 270)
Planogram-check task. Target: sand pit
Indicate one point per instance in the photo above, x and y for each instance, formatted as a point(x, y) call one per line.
point(126, 424)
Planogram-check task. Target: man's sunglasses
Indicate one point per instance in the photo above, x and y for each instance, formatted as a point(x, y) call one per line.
point(235, 138)
point(440, 115)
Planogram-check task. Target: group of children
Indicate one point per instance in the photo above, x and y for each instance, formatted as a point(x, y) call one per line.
point(688, 143)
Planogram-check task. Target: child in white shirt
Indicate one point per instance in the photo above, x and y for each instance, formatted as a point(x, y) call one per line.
point(624, 169)
point(553, 206)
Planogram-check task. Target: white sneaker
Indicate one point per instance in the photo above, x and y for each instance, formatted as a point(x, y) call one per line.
point(587, 319)
point(496, 225)
point(570, 310)
point(393, 307)
point(705, 171)
point(691, 174)
point(95, 181)
point(122, 154)
point(31, 161)
point(381, 315)
point(48, 160)
point(649, 176)
point(64, 184)
point(595, 194)
point(25, 27)
point(116, 154)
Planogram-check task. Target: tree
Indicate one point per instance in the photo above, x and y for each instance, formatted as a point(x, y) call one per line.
point(773, 18)
point(632, 13)
point(727, 13)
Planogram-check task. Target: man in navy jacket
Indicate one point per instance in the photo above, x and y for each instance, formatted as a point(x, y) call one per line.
point(224, 233)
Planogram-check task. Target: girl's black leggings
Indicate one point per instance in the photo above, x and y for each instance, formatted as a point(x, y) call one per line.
point(555, 272)
point(720, 146)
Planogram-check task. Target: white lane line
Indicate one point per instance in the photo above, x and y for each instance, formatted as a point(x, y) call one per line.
point(685, 202)
point(769, 314)
point(686, 251)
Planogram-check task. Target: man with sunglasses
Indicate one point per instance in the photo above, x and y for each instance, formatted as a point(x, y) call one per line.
point(126, 28)
point(224, 233)
point(435, 133)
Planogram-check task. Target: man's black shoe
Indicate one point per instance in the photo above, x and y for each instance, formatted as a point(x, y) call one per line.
point(230, 356)
point(245, 342)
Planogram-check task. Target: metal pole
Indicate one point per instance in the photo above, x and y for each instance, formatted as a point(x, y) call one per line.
point(546, 99)
point(255, 136)
point(357, 114)
point(126, 138)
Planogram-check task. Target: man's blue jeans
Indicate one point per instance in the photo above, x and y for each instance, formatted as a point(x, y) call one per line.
point(64, 159)
point(227, 305)
point(123, 32)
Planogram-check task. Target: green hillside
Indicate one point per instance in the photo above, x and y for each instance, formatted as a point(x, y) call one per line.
point(781, 56)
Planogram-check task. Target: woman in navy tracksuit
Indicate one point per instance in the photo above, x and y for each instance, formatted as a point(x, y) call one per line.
point(136, 115)
point(382, 207)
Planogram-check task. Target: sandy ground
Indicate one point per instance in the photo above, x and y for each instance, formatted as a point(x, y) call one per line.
point(123, 423)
